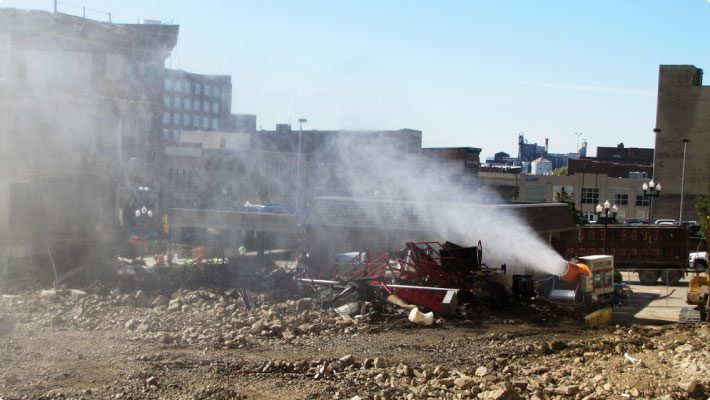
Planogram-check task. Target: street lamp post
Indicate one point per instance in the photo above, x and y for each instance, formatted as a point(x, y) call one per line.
point(301, 121)
point(682, 182)
point(651, 190)
point(607, 211)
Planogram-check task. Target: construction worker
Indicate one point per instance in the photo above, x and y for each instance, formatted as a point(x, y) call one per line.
point(242, 250)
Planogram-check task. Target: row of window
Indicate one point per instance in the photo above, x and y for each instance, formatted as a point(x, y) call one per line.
point(189, 104)
point(184, 86)
point(618, 196)
point(171, 136)
point(190, 121)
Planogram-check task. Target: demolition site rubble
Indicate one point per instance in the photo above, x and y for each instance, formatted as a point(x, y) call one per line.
point(208, 344)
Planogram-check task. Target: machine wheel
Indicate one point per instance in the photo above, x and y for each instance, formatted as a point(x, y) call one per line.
point(671, 277)
point(648, 277)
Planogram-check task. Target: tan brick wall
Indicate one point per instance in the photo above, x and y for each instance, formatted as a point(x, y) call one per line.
point(683, 113)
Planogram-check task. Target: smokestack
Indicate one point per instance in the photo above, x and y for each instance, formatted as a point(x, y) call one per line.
point(547, 141)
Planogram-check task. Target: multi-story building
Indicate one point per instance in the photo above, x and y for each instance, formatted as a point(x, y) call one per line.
point(245, 123)
point(588, 182)
point(79, 105)
point(588, 190)
point(219, 171)
point(194, 102)
point(682, 138)
point(627, 155)
point(338, 162)
point(461, 164)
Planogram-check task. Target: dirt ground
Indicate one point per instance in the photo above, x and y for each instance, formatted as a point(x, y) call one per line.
point(204, 345)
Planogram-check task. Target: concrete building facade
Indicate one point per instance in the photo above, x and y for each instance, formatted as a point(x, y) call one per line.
point(683, 114)
point(588, 190)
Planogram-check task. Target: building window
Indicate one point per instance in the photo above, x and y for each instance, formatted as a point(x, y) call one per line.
point(215, 123)
point(590, 195)
point(643, 201)
point(188, 103)
point(196, 104)
point(176, 136)
point(591, 217)
point(413, 148)
point(196, 121)
point(187, 86)
point(198, 89)
point(535, 193)
point(621, 215)
point(206, 106)
point(208, 90)
point(166, 118)
point(216, 91)
point(186, 120)
point(168, 84)
point(166, 101)
point(166, 134)
point(178, 102)
point(150, 74)
point(206, 122)
point(618, 196)
point(215, 108)
point(176, 119)
point(559, 192)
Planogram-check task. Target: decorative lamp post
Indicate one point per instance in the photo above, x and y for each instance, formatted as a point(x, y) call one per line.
point(606, 212)
point(651, 190)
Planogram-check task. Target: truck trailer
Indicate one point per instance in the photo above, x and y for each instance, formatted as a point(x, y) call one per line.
point(652, 251)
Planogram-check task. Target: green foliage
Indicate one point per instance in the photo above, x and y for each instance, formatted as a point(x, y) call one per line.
point(560, 171)
point(564, 197)
point(702, 206)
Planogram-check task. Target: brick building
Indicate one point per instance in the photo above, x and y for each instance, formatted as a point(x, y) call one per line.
point(461, 164)
point(339, 162)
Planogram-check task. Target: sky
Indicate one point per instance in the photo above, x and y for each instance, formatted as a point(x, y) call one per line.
point(466, 73)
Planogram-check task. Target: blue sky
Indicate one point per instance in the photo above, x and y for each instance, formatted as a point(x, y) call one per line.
point(466, 73)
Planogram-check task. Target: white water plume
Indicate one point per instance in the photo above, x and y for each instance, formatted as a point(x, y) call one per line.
point(454, 211)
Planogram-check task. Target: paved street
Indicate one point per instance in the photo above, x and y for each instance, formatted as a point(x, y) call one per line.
point(652, 304)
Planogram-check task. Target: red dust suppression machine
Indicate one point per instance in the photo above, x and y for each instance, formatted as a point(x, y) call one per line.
point(588, 281)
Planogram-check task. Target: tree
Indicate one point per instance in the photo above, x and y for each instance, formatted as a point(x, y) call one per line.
point(561, 171)
point(564, 197)
point(702, 207)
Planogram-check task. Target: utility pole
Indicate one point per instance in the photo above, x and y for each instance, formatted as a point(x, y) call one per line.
point(682, 182)
point(298, 164)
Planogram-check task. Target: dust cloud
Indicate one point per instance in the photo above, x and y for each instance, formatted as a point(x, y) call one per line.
point(453, 208)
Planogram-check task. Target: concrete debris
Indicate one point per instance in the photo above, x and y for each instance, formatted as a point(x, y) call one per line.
point(419, 318)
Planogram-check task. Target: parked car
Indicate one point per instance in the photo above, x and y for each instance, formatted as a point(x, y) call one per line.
point(666, 222)
point(250, 208)
point(698, 260)
point(635, 221)
point(276, 208)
